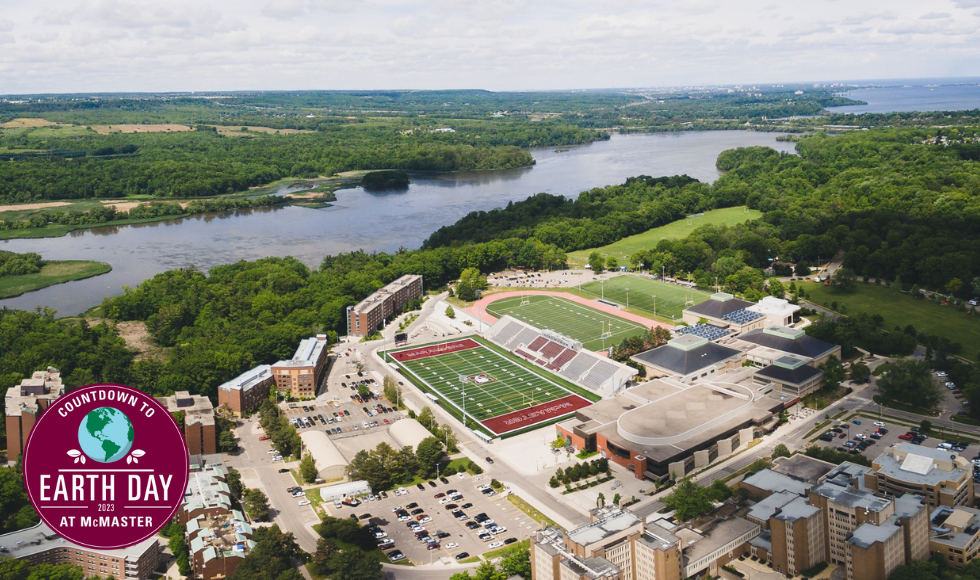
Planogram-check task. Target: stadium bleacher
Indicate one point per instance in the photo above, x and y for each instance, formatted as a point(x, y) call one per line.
point(524, 337)
point(742, 316)
point(704, 331)
point(550, 350)
point(560, 360)
point(578, 367)
point(505, 333)
point(598, 375)
point(537, 343)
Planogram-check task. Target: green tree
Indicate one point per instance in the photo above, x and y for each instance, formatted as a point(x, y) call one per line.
point(227, 442)
point(780, 451)
point(616, 499)
point(612, 264)
point(321, 557)
point(600, 500)
point(392, 391)
point(833, 372)
point(517, 561)
point(776, 289)
point(558, 443)
point(44, 571)
point(860, 373)
point(925, 427)
point(429, 453)
point(235, 485)
point(910, 381)
point(596, 263)
point(354, 565)
point(257, 504)
point(307, 468)
point(688, 500)
point(427, 419)
point(450, 312)
point(496, 485)
point(363, 391)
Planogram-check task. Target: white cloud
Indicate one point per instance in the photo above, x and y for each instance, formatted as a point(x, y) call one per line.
point(493, 44)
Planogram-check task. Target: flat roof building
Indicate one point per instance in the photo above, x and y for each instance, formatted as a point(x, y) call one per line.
point(42, 545)
point(689, 357)
point(942, 477)
point(369, 314)
point(778, 311)
point(725, 311)
point(407, 432)
point(200, 430)
point(244, 393)
point(300, 375)
point(666, 428)
point(791, 375)
point(955, 534)
point(24, 404)
point(782, 341)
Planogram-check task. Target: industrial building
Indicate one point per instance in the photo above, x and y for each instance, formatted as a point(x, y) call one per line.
point(244, 393)
point(300, 375)
point(369, 314)
point(408, 432)
point(24, 404)
point(41, 545)
point(200, 431)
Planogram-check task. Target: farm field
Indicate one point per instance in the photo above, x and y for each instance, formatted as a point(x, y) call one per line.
point(899, 309)
point(670, 301)
point(502, 395)
point(648, 240)
point(574, 320)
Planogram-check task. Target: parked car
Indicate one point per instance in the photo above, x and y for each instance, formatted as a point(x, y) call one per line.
point(490, 461)
point(395, 555)
point(462, 555)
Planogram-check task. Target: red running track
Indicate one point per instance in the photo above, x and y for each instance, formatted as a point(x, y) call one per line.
point(536, 414)
point(434, 350)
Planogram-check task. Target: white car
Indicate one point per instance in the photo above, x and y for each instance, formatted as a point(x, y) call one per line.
point(452, 545)
point(425, 520)
point(299, 494)
point(277, 458)
point(379, 535)
point(483, 487)
point(304, 502)
point(404, 518)
point(493, 545)
point(272, 452)
point(461, 475)
point(385, 543)
point(879, 423)
point(396, 509)
point(941, 374)
point(445, 500)
point(497, 530)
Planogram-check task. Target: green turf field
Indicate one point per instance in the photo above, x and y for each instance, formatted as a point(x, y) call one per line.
point(669, 302)
point(569, 318)
point(648, 240)
point(899, 309)
point(511, 387)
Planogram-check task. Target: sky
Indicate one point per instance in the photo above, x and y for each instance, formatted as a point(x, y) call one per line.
point(66, 46)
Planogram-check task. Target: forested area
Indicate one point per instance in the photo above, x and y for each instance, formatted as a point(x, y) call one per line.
point(12, 264)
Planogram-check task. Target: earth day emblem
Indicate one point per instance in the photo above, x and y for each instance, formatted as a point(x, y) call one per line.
point(75, 475)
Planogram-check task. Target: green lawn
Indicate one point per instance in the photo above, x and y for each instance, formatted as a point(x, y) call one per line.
point(625, 247)
point(53, 272)
point(569, 318)
point(639, 292)
point(899, 309)
point(512, 386)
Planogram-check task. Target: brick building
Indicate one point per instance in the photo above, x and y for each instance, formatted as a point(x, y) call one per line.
point(941, 477)
point(41, 545)
point(368, 315)
point(199, 425)
point(300, 375)
point(24, 404)
point(244, 393)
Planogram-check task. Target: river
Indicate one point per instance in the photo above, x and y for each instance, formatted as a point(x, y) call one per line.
point(940, 95)
point(363, 220)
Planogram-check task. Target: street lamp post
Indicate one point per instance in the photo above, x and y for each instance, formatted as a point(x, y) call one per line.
point(627, 296)
point(655, 305)
point(602, 288)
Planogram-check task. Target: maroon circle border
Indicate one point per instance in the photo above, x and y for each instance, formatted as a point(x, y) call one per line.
point(153, 532)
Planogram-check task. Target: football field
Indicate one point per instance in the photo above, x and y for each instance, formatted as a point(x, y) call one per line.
point(498, 393)
point(582, 323)
point(639, 292)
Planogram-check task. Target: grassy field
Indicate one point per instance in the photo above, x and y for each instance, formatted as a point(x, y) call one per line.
point(670, 299)
point(625, 247)
point(511, 386)
point(900, 309)
point(569, 318)
point(53, 272)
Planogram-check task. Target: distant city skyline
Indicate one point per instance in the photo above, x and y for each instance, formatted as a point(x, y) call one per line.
point(128, 46)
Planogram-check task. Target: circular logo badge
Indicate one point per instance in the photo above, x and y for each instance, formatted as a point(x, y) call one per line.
point(116, 483)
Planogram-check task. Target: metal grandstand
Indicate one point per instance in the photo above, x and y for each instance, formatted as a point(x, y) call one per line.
point(703, 330)
point(742, 316)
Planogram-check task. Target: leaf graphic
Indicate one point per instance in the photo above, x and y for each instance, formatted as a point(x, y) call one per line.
point(135, 460)
point(138, 453)
point(129, 460)
point(76, 460)
point(74, 452)
point(82, 457)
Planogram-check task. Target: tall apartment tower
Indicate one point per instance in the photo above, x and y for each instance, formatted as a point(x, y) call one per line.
point(24, 404)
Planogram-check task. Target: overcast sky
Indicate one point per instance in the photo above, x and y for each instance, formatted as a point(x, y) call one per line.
point(181, 45)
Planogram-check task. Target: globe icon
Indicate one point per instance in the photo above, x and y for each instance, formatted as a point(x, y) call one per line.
point(105, 435)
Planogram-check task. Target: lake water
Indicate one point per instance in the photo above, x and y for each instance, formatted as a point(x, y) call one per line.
point(362, 220)
point(914, 97)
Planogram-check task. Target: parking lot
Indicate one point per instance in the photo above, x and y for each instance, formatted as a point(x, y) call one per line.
point(894, 435)
point(345, 416)
point(496, 507)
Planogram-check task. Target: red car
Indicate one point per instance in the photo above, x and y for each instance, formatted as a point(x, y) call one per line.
point(905, 437)
point(439, 495)
point(264, 438)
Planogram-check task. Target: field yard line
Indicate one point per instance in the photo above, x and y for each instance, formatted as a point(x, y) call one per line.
point(479, 307)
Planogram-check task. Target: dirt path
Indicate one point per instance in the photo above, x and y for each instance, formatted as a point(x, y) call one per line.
point(29, 206)
point(479, 308)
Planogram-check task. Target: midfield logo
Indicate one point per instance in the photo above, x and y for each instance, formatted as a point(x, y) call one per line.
point(106, 466)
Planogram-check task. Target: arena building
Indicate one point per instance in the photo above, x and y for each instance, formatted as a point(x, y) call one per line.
point(330, 462)
point(666, 428)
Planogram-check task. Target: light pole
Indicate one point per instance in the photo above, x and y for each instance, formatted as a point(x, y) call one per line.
point(655, 305)
point(627, 296)
point(602, 288)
